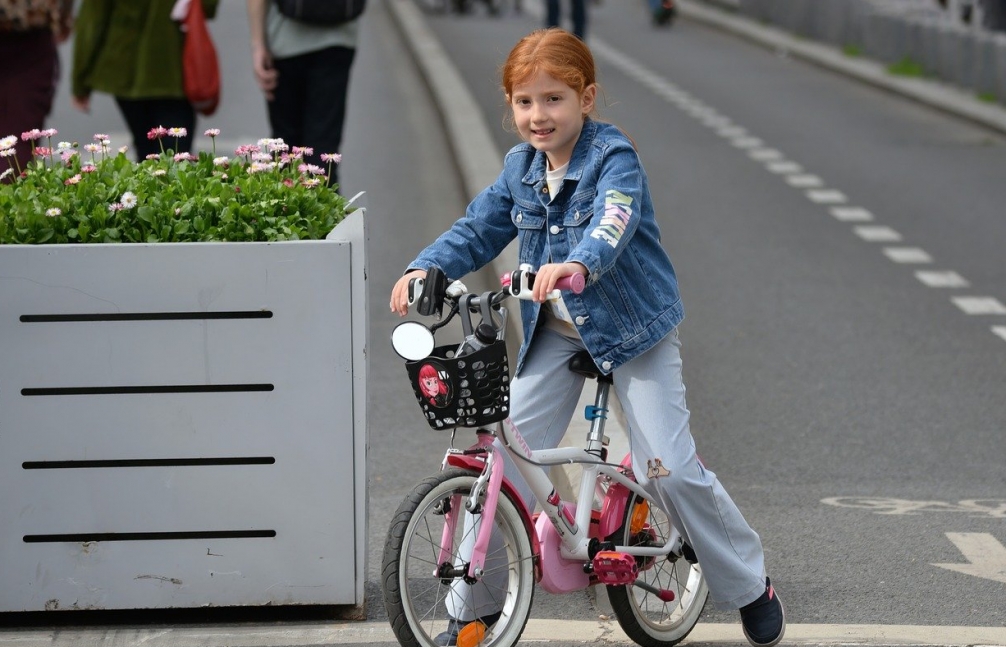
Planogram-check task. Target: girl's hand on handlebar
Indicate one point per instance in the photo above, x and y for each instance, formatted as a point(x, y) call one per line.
point(549, 274)
point(400, 293)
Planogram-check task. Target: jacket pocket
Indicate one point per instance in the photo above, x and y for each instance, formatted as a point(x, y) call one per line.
point(525, 219)
point(579, 212)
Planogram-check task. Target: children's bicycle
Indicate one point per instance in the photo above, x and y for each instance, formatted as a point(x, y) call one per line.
point(463, 552)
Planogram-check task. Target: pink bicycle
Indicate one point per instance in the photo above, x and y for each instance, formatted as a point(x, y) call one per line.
point(463, 552)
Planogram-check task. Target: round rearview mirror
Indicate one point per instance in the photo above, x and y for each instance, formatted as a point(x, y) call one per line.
point(412, 340)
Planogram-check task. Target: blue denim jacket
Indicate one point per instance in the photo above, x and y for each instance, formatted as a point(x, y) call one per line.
point(602, 218)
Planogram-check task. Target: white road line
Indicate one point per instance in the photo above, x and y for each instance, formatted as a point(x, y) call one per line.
point(765, 154)
point(852, 214)
point(826, 196)
point(980, 305)
point(717, 121)
point(1000, 330)
point(804, 181)
point(784, 168)
point(732, 131)
point(908, 255)
point(747, 142)
point(949, 279)
point(877, 234)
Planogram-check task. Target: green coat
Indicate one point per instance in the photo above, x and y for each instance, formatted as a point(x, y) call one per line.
point(129, 48)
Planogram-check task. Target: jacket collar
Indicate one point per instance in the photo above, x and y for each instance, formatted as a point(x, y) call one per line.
point(536, 172)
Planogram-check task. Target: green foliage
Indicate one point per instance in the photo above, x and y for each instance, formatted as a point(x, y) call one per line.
point(906, 67)
point(66, 195)
point(852, 50)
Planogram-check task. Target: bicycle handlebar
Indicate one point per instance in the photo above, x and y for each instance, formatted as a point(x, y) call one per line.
point(430, 292)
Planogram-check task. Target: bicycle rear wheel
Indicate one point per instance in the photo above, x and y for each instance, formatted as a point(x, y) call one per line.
point(644, 617)
point(418, 599)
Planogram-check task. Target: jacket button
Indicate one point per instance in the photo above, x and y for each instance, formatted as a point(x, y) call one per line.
point(554, 229)
point(606, 366)
point(579, 321)
point(520, 217)
point(544, 189)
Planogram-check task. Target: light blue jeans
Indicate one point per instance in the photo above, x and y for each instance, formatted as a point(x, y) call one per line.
point(543, 400)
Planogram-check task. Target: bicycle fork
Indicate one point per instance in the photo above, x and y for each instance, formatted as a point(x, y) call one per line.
point(491, 478)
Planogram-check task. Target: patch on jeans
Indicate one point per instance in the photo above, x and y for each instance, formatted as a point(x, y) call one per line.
point(655, 469)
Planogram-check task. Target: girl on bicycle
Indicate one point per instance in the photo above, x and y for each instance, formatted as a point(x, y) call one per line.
point(576, 197)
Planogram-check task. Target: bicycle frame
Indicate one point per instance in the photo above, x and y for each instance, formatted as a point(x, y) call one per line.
point(572, 526)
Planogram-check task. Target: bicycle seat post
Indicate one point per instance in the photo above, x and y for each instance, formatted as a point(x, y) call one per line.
point(597, 442)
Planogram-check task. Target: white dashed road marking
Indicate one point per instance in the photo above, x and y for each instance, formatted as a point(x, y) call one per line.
point(907, 255)
point(1000, 330)
point(784, 168)
point(877, 234)
point(852, 214)
point(827, 196)
point(980, 305)
point(804, 181)
point(942, 279)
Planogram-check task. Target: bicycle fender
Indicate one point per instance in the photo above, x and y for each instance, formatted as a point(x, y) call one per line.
point(613, 506)
point(477, 465)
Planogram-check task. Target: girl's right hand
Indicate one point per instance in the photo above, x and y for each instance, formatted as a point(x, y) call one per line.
point(400, 293)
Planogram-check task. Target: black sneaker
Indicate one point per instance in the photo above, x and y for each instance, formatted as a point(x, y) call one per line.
point(449, 638)
point(764, 620)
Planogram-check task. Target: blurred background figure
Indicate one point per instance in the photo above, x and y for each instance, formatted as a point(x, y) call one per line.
point(29, 33)
point(132, 50)
point(579, 16)
point(662, 11)
point(303, 69)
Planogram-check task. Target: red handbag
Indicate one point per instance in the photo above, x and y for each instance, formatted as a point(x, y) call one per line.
point(200, 68)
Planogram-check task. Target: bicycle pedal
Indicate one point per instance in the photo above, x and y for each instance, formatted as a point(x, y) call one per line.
point(615, 568)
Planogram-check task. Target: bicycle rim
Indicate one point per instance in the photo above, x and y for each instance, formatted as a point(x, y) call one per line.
point(420, 604)
point(645, 618)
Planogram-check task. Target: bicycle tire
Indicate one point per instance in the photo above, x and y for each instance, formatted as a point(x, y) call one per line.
point(644, 618)
point(415, 598)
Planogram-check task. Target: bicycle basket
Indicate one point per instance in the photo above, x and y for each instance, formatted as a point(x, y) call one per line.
point(468, 391)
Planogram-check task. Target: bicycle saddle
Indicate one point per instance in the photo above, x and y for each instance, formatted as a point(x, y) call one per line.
point(583, 364)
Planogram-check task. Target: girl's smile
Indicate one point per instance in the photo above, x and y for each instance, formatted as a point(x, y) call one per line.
point(549, 115)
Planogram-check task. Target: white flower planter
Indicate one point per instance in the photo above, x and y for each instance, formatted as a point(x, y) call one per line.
point(183, 425)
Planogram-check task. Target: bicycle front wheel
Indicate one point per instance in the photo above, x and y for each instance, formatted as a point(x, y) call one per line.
point(645, 618)
point(423, 598)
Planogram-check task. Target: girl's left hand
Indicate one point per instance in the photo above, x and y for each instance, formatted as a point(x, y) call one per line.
point(549, 274)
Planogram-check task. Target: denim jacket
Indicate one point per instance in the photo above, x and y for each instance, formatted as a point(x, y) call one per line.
point(602, 218)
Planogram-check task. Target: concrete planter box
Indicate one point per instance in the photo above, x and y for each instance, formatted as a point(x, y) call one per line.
point(183, 425)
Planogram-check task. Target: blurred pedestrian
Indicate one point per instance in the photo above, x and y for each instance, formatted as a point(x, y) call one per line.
point(579, 10)
point(29, 33)
point(303, 70)
point(132, 50)
point(662, 11)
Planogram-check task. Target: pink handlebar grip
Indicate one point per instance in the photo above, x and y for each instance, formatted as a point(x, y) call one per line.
point(573, 283)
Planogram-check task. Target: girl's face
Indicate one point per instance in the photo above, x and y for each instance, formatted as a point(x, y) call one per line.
point(549, 115)
point(430, 386)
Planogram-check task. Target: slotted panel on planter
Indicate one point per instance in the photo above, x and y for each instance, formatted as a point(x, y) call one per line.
point(180, 425)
